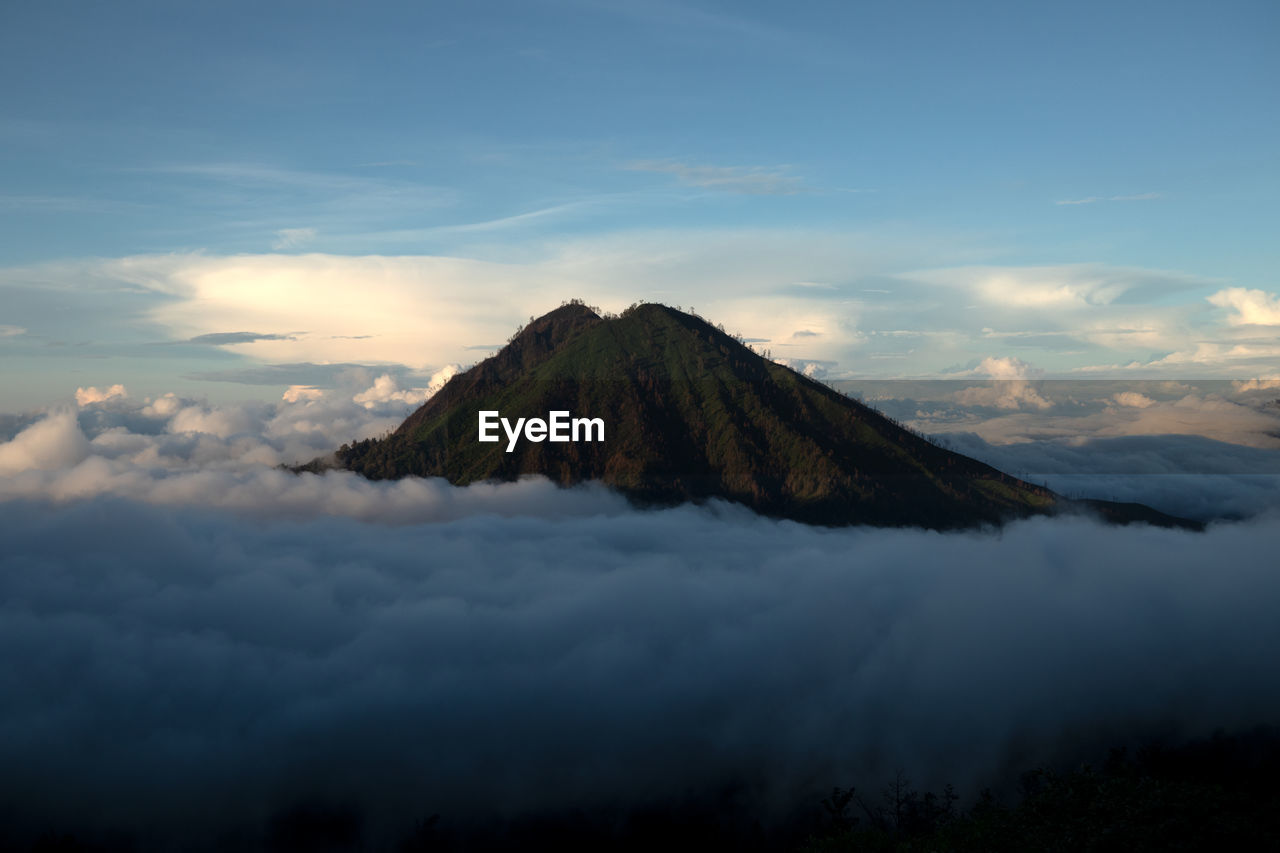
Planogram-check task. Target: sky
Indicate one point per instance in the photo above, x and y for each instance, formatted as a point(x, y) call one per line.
point(234, 236)
point(226, 201)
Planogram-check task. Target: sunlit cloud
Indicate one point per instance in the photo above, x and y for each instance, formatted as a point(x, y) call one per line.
point(425, 311)
point(1251, 307)
point(85, 396)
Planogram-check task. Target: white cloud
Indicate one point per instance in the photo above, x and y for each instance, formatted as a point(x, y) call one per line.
point(1003, 394)
point(812, 369)
point(423, 311)
point(362, 310)
point(301, 393)
point(54, 443)
point(164, 406)
point(1133, 399)
point(11, 331)
point(385, 389)
point(1267, 384)
point(1066, 286)
point(221, 422)
point(1006, 367)
point(1251, 307)
point(1009, 388)
point(86, 396)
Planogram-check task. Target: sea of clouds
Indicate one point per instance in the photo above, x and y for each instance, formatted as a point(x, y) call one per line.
point(195, 639)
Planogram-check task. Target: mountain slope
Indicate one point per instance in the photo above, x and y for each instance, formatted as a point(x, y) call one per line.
point(690, 413)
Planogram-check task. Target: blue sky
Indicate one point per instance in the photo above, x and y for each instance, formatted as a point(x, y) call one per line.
point(1111, 165)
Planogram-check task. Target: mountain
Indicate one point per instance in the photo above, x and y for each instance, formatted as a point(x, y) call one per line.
point(690, 413)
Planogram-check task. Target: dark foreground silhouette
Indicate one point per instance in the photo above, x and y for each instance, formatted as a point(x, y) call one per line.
point(1222, 793)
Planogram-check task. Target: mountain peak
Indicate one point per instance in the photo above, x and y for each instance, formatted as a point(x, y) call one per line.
point(690, 413)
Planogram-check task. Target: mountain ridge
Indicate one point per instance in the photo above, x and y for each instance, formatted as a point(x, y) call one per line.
point(691, 414)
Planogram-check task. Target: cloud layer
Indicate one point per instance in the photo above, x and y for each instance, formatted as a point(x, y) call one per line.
point(197, 639)
point(856, 302)
point(183, 669)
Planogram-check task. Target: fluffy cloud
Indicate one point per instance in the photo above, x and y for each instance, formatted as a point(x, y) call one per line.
point(53, 443)
point(186, 452)
point(812, 369)
point(1004, 368)
point(302, 393)
point(125, 443)
point(386, 390)
point(1246, 385)
point(1251, 307)
point(1010, 388)
point(85, 396)
point(1133, 399)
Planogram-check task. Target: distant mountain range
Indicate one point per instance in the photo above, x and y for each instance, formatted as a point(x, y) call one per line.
point(690, 413)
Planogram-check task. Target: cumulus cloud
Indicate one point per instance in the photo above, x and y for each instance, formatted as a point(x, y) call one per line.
point(85, 396)
point(54, 443)
point(1251, 307)
point(187, 452)
point(302, 393)
point(1010, 388)
point(1245, 385)
point(1133, 399)
point(808, 367)
point(11, 331)
point(385, 389)
point(1007, 367)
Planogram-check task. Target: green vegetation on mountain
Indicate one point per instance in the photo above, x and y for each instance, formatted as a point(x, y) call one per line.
point(692, 413)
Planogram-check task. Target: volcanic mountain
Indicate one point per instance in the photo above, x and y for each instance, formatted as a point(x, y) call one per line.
point(691, 413)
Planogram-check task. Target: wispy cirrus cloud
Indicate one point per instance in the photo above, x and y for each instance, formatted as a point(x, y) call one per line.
point(1093, 199)
point(293, 238)
point(218, 339)
point(747, 180)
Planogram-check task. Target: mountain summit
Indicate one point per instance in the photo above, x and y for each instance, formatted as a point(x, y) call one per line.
point(690, 413)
